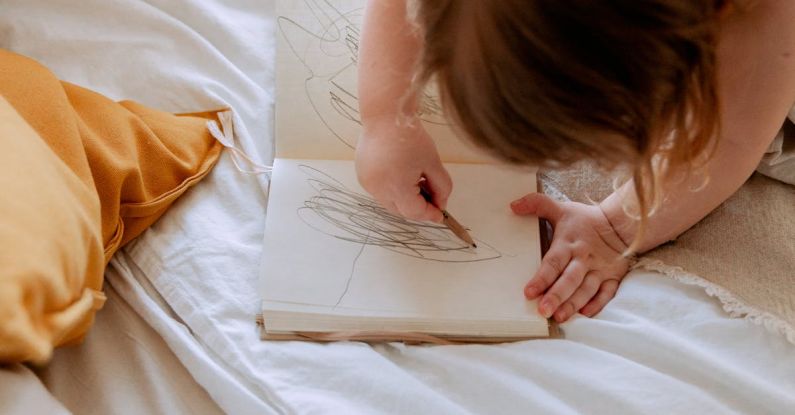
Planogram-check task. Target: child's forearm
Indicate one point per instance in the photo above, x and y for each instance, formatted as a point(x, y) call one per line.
point(388, 52)
point(683, 207)
point(392, 155)
point(741, 146)
point(756, 89)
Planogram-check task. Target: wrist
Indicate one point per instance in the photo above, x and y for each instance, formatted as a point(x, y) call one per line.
point(624, 226)
point(372, 124)
point(380, 117)
point(392, 127)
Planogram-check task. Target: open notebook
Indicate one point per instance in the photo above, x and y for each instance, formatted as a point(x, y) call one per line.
point(336, 262)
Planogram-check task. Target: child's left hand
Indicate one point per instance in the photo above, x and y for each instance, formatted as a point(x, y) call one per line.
point(584, 264)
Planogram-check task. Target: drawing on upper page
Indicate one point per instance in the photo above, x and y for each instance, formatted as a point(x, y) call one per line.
point(327, 47)
point(344, 214)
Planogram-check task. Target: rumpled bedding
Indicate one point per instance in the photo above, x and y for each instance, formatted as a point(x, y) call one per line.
point(659, 346)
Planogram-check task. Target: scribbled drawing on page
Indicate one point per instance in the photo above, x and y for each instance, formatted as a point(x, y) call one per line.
point(344, 214)
point(328, 48)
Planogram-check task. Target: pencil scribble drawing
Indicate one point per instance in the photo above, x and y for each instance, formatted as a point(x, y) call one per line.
point(328, 49)
point(347, 215)
point(344, 214)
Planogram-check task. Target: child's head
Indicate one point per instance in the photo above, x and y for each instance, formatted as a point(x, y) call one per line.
point(547, 82)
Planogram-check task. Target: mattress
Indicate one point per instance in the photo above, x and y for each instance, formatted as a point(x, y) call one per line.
point(190, 281)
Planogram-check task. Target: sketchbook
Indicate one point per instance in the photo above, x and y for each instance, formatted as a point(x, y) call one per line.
point(335, 263)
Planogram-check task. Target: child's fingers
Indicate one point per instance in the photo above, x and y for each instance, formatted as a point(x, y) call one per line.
point(440, 185)
point(606, 292)
point(563, 288)
point(391, 208)
point(538, 204)
point(584, 293)
point(417, 208)
point(552, 265)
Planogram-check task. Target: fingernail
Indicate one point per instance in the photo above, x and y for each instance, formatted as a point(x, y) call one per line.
point(519, 206)
point(530, 291)
point(546, 308)
point(560, 316)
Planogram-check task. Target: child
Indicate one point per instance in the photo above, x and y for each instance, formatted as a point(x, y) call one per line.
point(686, 94)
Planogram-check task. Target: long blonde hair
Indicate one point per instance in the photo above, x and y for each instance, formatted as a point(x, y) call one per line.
point(627, 83)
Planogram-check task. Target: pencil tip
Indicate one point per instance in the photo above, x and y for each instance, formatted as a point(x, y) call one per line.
point(474, 245)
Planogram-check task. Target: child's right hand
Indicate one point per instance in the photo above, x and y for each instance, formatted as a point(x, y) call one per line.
point(392, 159)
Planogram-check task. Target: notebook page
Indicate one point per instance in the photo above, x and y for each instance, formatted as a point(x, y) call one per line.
point(330, 249)
point(317, 109)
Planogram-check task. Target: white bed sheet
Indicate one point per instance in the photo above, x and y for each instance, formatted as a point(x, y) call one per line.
point(123, 367)
point(659, 346)
point(21, 392)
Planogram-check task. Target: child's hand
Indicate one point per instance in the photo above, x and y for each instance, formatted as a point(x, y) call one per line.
point(391, 160)
point(583, 267)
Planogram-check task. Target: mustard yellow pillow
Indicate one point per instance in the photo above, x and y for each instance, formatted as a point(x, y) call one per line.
point(82, 173)
point(51, 253)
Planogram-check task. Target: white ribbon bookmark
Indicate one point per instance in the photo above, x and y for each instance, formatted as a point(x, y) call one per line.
point(225, 134)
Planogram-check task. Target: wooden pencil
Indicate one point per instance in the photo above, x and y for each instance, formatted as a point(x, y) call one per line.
point(458, 229)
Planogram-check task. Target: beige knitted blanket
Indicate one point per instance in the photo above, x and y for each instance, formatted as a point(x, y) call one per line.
point(743, 253)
